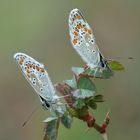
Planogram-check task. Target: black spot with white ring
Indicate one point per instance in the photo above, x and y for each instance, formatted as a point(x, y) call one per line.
point(41, 89)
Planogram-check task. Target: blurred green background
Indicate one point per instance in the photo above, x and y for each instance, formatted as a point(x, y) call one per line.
point(40, 29)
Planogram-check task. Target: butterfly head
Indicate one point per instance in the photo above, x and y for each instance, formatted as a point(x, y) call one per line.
point(103, 62)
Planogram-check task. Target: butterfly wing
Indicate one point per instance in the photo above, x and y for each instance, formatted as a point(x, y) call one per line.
point(83, 39)
point(37, 76)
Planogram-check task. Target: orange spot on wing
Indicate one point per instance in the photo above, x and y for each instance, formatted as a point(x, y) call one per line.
point(21, 61)
point(78, 26)
point(78, 17)
point(76, 29)
point(28, 71)
point(85, 29)
point(37, 68)
point(28, 66)
point(89, 31)
point(28, 75)
point(42, 70)
point(33, 66)
point(75, 33)
point(81, 26)
point(74, 41)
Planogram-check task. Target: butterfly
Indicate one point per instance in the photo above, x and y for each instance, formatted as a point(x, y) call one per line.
point(39, 79)
point(83, 41)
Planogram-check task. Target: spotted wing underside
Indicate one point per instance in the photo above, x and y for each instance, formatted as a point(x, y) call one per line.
point(36, 75)
point(83, 39)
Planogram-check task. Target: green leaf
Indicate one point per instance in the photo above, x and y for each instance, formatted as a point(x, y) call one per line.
point(115, 65)
point(60, 108)
point(77, 70)
point(82, 112)
point(98, 98)
point(46, 137)
point(85, 83)
point(103, 73)
point(82, 93)
point(73, 112)
point(79, 103)
point(51, 129)
point(71, 83)
point(92, 104)
point(66, 120)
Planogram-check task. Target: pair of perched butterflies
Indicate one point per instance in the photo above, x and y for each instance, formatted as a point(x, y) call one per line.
point(83, 42)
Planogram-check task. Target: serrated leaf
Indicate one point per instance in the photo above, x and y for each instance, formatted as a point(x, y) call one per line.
point(60, 108)
point(79, 103)
point(66, 120)
point(85, 83)
point(51, 130)
point(82, 93)
point(98, 98)
point(71, 83)
point(103, 73)
point(77, 70)
point(73, 112)
point(82, 112)
point(92, 104)
point(115, 65)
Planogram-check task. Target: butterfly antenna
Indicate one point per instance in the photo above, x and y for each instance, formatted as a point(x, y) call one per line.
point(112, 58)
point(29, 117)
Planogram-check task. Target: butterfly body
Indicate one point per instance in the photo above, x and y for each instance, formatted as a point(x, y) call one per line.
point(83, 40)
point(39, 79)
